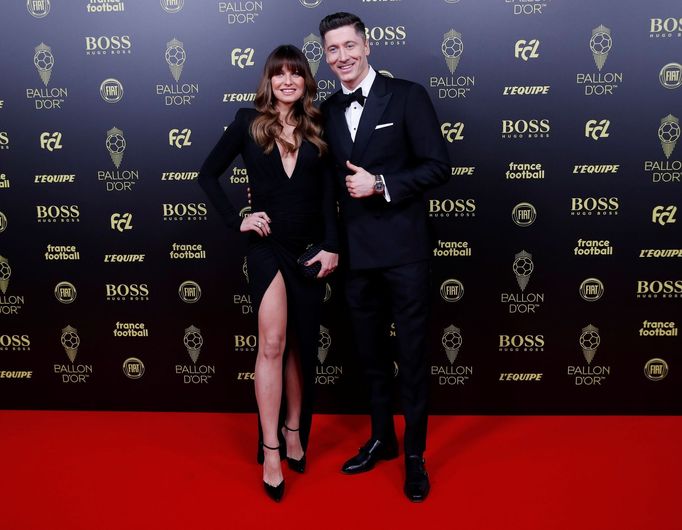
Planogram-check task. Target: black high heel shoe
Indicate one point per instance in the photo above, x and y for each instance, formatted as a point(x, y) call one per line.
point(274, 492)
point(295, 465)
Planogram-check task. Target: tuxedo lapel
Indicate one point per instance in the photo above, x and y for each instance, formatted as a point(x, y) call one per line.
point(338, 133)
point(371, 114)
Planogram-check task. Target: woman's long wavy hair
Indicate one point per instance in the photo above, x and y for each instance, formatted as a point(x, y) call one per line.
point(266, 128)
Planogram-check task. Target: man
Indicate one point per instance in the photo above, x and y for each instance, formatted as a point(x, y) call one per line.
point(387, 151)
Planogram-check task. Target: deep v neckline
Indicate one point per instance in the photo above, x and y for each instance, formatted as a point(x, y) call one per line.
point(281, 161)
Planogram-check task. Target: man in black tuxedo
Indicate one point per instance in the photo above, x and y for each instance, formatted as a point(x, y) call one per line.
point(387, 150)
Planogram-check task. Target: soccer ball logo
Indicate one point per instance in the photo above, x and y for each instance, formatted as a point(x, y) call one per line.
point(175, 57)
point(589, 342)
point(313, 51)
point(5, 273)
point(323, 344)
point(43, 61)
point(669, 133)
point(193, 341)
point(523, 268)
point(452, 48)
point(70, 341)
point(452, 342)
point(600, 44)
point(116, 144)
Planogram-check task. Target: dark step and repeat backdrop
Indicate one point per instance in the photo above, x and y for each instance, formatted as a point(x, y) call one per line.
point(557, 283)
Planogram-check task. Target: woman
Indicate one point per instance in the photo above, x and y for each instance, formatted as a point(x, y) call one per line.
point(293, 206)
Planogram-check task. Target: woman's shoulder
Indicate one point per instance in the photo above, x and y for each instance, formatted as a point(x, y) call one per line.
point(246, 114)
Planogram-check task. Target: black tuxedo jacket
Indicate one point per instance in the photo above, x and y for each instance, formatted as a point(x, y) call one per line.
point(398, 137)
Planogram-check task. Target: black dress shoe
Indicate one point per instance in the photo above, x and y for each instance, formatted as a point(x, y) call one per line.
point(370, 453)
point(416, 479)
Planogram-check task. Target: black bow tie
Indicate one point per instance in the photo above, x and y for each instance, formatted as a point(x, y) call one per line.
point(347, 99)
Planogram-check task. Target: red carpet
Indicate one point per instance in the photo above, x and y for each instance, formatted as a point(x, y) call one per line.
point(123, 471)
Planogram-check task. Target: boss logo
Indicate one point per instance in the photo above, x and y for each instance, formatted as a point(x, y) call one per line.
point(521, 341)
point(449, 206)
point(526, 49)
point(673, 287)
point(245, 341)
point(525, 126)
point(597, 129)
point(125, 290)
point(4, 139)
point(115, 43)
point(178, 138)
point(184, 210)
point(53, 212)
point(452, 131)
point(15, 341)
point(664, 215)
point(667, 25)
point(388, 34)
point(121, 222)
point(592, 204)
point(51, 141)
point(242, 58)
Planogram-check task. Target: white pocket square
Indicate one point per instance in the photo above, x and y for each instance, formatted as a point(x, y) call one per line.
point(382, 125)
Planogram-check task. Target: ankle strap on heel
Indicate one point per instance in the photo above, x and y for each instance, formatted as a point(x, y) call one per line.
point(271, 448)
point(291, 430)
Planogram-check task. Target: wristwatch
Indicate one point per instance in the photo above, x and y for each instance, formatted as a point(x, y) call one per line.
point(379, 184)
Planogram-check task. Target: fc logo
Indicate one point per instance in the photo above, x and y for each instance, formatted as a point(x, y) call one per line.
point(51, 141)
point(526, 49)
point(597, 129)
point(664, 215)
point(242, 58)
point(178, 138)
point(121, 222)
point(452, 131)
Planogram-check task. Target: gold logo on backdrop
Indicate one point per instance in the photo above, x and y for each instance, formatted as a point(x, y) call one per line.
point(600, 44)
point(38, 8)
point(43, 61)
point(116, 145)
point(313, 51)
point(3, 222)
point(175, 57)
point(670, 76)
point(323, 345)
point(452, 342)
point(133, 368)
point(452, 290)
point(669, 133)
point(193, 341)
point(65, 292)
point(591, 289)
point(70, 341)
point(111, 90)
point(589, 342)
point(664, 215)
point(452, 48)
point(597, 129)
point(189, 292)
point(523, 268)
point(5, 273)
point(524, 214)
point(172, 6)
point(656, 369)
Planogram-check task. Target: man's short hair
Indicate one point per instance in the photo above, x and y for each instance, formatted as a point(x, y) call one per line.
point(338, 20)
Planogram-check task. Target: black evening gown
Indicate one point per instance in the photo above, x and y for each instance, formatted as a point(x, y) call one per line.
point(302, 210)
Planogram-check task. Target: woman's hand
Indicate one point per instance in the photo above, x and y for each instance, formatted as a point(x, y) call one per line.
point(328, 260)
point(258, 222)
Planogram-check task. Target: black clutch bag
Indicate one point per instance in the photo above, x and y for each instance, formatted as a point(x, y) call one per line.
point(312, 270)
